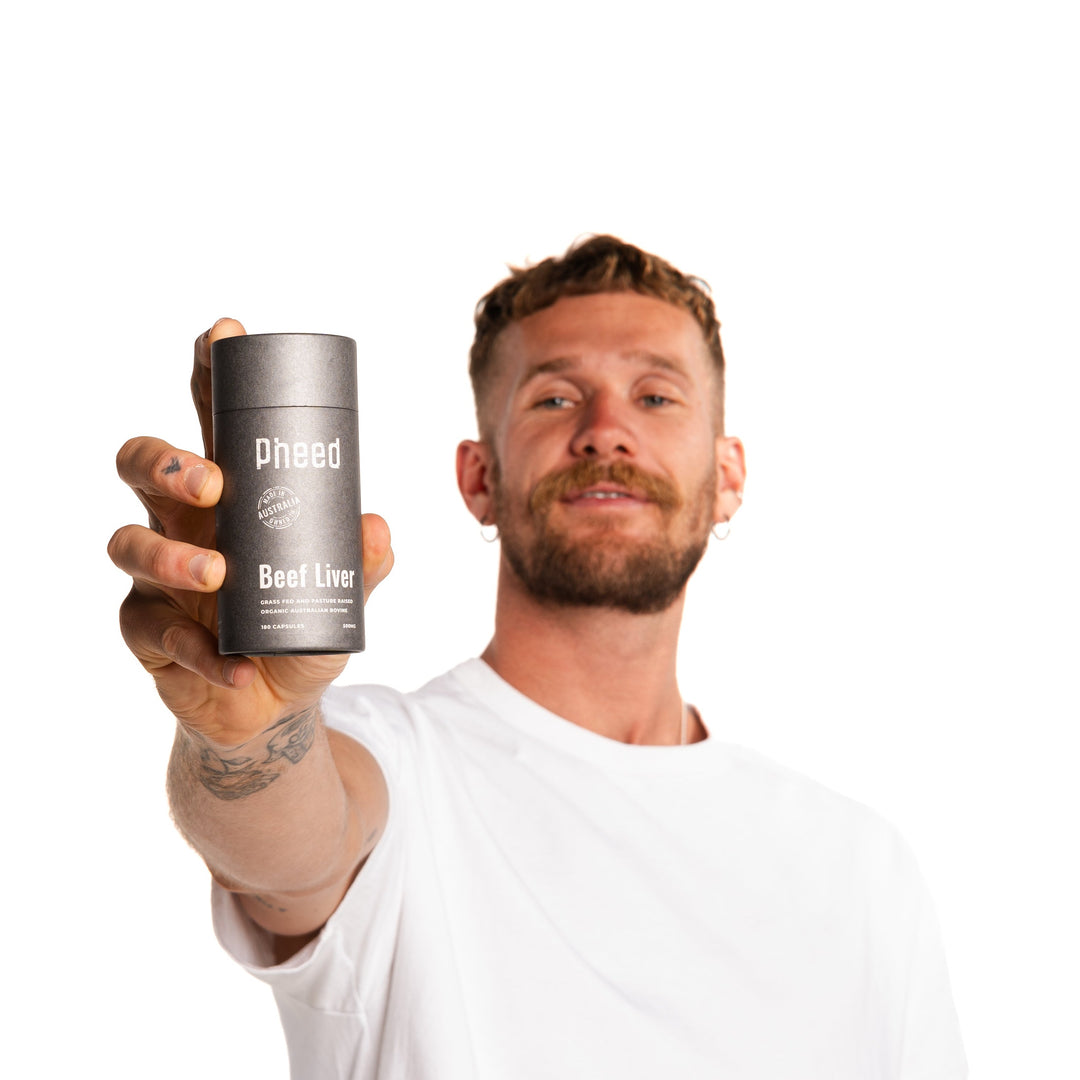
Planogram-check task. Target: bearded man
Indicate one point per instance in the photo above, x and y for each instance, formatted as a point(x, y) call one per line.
point(543, 863)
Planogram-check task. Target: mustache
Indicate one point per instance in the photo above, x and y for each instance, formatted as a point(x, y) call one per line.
point(584, 474)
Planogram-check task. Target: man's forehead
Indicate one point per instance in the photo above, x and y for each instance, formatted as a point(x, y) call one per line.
point(625, 325)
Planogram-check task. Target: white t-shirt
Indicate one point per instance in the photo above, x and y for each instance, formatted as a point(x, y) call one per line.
point(548, 904)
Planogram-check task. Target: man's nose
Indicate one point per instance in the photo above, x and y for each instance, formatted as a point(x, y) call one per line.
point(605, 430)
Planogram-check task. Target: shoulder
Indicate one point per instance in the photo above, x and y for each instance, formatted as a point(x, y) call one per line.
point(387, 721)
point(786, 786)
point(347, 705)
point(820, 821)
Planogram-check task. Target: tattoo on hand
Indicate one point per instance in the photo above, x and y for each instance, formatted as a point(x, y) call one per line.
point(239, 776)
point(173, 466)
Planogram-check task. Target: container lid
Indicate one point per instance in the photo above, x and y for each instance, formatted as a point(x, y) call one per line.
point(269, 371)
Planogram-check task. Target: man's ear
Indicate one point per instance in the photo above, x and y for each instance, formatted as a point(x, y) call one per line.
point(730, 477)
point(475, 478)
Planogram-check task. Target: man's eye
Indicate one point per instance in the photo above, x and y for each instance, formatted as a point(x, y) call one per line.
point(554, 402)
point(655, 400)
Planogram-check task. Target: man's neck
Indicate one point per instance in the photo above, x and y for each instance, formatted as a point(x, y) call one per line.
point(609, 671)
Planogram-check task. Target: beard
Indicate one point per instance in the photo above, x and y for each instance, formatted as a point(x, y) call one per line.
point(607, 568)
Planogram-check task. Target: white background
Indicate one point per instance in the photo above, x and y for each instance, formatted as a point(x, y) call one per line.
point(884, 199)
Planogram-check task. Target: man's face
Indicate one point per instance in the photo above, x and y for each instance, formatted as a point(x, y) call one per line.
point(608, 470)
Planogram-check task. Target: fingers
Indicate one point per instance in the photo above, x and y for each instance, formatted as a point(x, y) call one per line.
point(160, 636)
point(200, 376)
point(378, 554)
point(155, 469)
point(147, 556)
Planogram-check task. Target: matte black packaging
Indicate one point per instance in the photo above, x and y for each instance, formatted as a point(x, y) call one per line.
point(286, 438)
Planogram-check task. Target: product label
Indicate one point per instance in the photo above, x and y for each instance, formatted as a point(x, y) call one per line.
point(288, 524)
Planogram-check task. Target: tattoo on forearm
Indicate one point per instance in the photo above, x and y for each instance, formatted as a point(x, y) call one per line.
point(292, 737)
point(266, 903)
point(173, 466)
point(241, 775)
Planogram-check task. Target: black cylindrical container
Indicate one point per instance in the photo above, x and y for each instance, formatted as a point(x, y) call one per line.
point(286, 438)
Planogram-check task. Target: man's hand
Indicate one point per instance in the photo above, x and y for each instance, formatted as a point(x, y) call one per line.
point(169, 619)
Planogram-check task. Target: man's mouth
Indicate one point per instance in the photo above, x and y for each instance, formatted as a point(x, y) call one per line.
point(603, 495)
point(608, 484)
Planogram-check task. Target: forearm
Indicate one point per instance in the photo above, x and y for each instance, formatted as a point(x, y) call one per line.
point(272, 816)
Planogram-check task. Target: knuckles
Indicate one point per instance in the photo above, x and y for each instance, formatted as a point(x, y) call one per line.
point(119, 545)
point(126, 454)
point(178, 645)
point(162, 562)
point(133, 622)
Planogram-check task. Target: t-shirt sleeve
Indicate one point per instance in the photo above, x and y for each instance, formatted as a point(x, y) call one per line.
point(932, 1045)
point(924, 1031)
point(343, 967)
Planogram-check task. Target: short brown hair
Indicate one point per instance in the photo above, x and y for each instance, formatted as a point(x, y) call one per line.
point(598, 264)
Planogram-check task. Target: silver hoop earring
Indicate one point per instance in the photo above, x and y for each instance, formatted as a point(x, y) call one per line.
point(722, 529)
point(489, 532)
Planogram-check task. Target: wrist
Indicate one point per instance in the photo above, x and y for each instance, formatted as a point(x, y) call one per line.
point(232, 769)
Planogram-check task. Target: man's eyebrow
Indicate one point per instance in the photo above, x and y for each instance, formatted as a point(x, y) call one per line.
point(666, 363)
point(557, 365)
point(547, 367)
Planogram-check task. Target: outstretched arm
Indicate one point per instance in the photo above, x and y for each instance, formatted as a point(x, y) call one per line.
point(283, 811)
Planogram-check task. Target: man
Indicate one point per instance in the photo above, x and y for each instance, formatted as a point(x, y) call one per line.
point(542, 864)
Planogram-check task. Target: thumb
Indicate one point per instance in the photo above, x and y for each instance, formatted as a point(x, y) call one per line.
point(378, 554)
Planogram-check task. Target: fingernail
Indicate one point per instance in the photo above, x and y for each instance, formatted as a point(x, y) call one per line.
point(200, 566)
point(195, 480)
point(228, 671)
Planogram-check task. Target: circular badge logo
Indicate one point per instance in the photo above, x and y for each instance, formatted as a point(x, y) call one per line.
point(278, 507)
